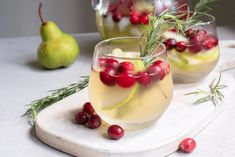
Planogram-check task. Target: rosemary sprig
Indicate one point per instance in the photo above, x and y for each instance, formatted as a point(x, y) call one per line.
point(38, 105)
point(214, 94)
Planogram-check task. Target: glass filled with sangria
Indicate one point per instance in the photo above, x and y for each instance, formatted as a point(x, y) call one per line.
point(127, 89)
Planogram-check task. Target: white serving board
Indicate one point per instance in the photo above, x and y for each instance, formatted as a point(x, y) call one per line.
point(55, 125)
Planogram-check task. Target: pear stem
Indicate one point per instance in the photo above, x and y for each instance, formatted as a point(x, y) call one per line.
point(40, 13)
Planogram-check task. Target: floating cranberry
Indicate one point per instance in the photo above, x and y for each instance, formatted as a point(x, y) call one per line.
point(211, 39)
point(94, 121)
point(167, 69)
point(108, 62)
point(202, 32)
point(187, 145)
point(131, 6)
point(208, 44)
point(195, 47)
point(156, 72)
point(125, 80)
point(126, 67)
point(87, 107)
point(189, 32)
point(143, 78)
point(181, 46)
point(144, 19)
point(81, 118)
point(115, 132)
point(113, 7)
point(117, 16)
point(172, 30)
point(108, 77)
point(195, 38)
point(135, 17)
point(170, 43)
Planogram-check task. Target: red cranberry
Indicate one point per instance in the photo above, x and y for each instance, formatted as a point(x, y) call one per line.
point(169, 43)
point(81, 118)
point(117, 16)
point(144, 19)
point(187, 145)
point(125, 80)
point(113, 7)
point(180, 46)
point(94, 121)
point(195, 38)
point(202, 32)
point(108, 77)
point(211, 39)
point(131, 6)
point(126, 67)
point(208, 44)
point(156, 72)
point(108, 62)
point(195, 47)
point(143, 78)
point(189, 32)
point(172, 30)
point(87, 107)
point(135, 17)
point(115, 132)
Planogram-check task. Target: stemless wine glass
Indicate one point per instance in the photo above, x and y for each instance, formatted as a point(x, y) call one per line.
point(127, 89)
point(194, 53)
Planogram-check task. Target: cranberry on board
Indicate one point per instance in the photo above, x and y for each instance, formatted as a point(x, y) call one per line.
point(108, 76)
point(143, 78)
point(170, 43)
point(126, 67)
point(181, 46)
point(117, 16)
point(187, 145)
point(126, 80)
point(94, 121)
point(87, 108)
point(81, 118)
point(115, 132)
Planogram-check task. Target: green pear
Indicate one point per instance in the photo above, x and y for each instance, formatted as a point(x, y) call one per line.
point(57, 49)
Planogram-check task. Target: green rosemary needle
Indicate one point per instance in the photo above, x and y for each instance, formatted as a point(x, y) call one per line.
point(214, 94)
point(55, 95)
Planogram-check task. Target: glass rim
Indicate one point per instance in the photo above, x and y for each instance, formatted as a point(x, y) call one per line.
point(99, 44)
point(209, 21)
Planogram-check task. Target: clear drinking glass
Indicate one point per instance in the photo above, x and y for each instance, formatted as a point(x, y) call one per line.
point(194, 53)
point(127, 89)
point(116, 18)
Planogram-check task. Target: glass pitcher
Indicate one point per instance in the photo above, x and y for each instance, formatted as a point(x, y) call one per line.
point(115, 18)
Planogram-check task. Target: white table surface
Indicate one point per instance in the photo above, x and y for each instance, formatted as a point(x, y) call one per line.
point(22, 81)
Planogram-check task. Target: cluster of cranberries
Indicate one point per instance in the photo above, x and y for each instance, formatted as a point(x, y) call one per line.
point(123, 74)
point(126, 8)
point(198, 40)
point(88, 117)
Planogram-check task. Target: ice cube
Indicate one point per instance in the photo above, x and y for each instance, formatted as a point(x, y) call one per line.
point(108, 22)
point(123, 24)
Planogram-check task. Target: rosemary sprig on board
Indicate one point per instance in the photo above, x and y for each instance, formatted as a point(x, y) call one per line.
point(214, 94)
point(55, 95)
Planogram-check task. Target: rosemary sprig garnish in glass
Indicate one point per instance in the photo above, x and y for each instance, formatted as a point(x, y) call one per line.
point(55, 95)
point(214, 94)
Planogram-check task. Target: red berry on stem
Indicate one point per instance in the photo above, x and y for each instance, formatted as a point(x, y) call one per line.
point(143, 78)
point(126, 80)
point(94, 121)
point(115, 132)
point(108, 77)
point(117, 16)
point(181, 46)
point(126, 67)
point(187, 145)
point(81, 118)
point(87, 107)
point(170, 43)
